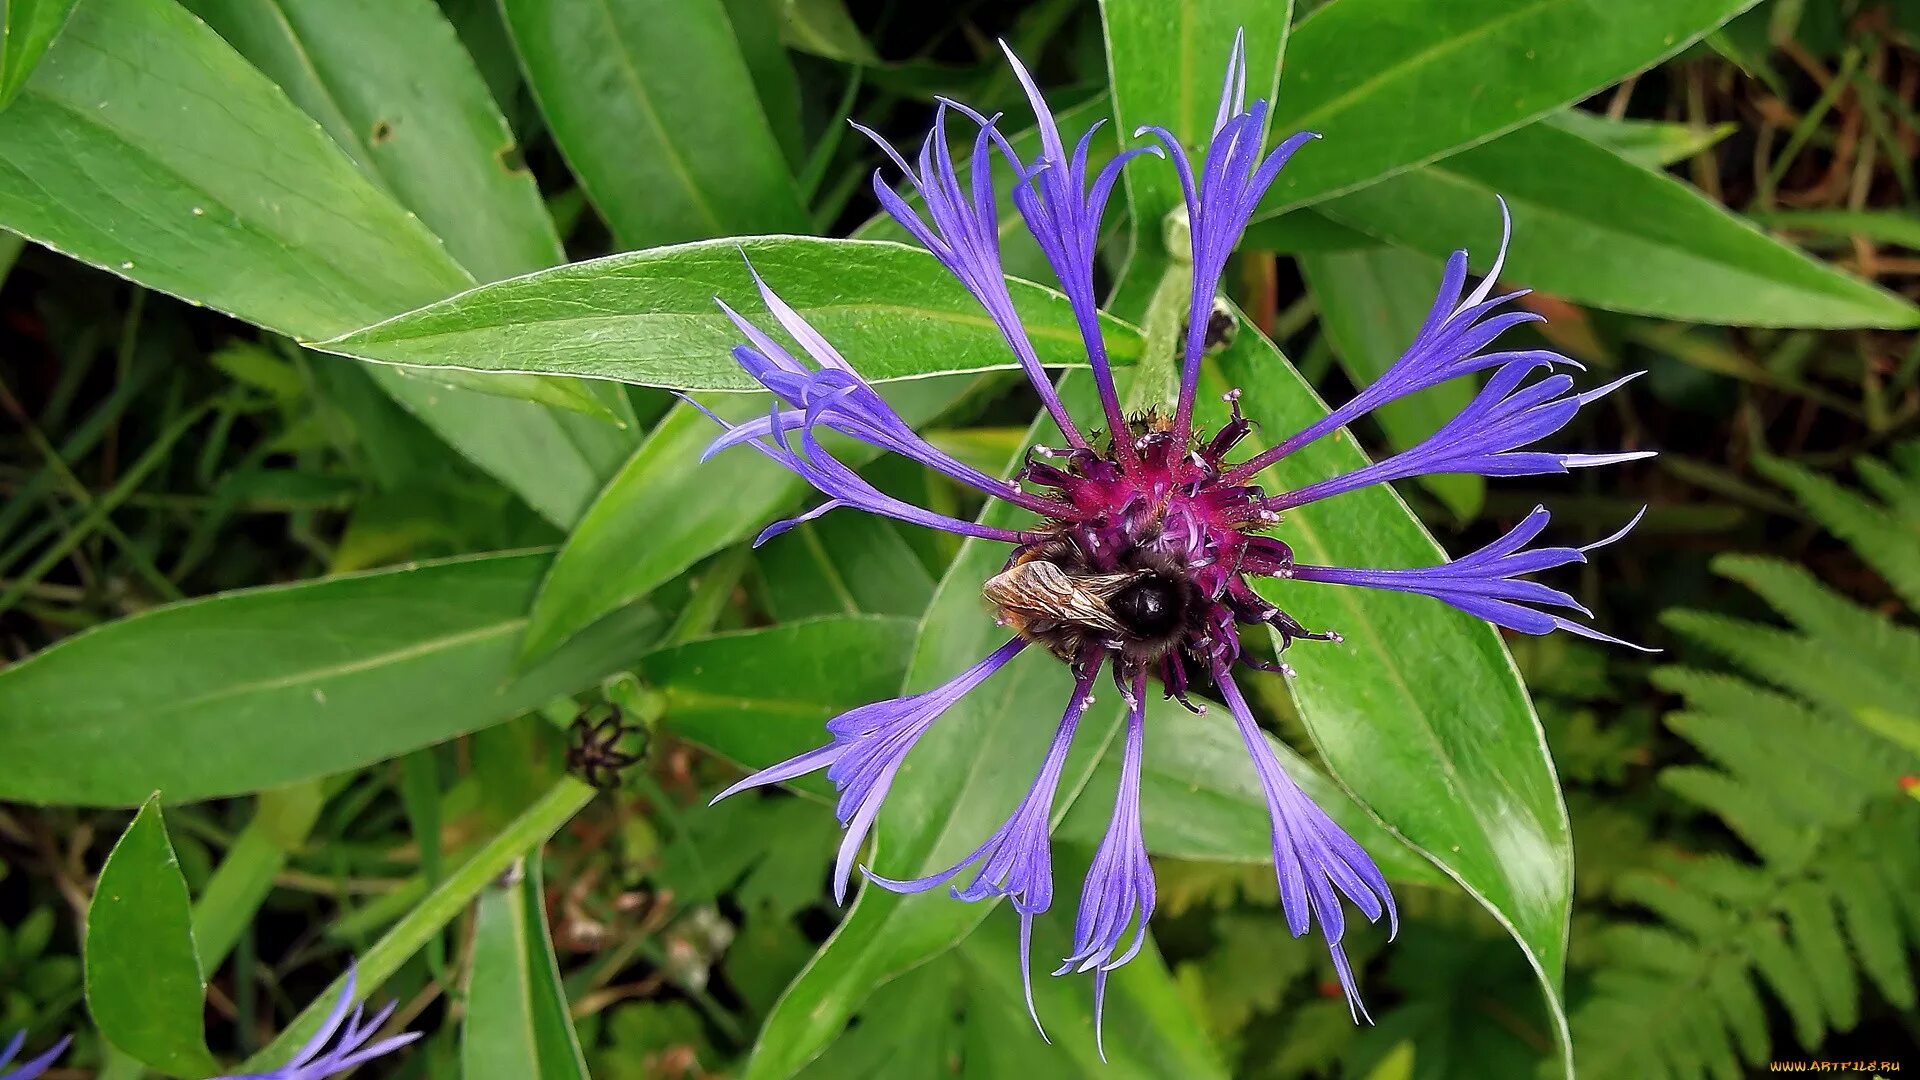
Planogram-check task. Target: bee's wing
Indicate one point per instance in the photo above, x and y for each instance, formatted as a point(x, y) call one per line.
point(1041, 589)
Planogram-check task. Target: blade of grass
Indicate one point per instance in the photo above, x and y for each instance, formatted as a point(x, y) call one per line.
point(98, 510)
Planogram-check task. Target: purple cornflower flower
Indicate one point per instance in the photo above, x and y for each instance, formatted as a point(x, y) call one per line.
point(316, 1061)
point(1146, 534)
point(30, 1069)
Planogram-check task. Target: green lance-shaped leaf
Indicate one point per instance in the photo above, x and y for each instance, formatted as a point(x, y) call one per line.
point(144, 988)
point(756, 27)
point(238, 887)
point(517, 1026)
point(27, 27)
point(1652, 143)
point(233, 895)
point(844, 565)
point(1594, 227)
point(254, 689)
point(1898, 227)
point(1419, 712)
point(825, 28)
point(1396, 83)
point(649, 317)
point(182, 168)
point(117, 120)
point(394, 88)
point(655, 109)
point(1372, 302)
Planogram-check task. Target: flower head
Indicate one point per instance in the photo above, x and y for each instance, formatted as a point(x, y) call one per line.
point(317, 1061)
point(30, 1069)
point(1145, 536)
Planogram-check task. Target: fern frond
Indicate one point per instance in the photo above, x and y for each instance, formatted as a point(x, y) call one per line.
point(1781, 967)
point(1816, 937)
point(1885, 647)
point(1732, 882)
point(1887, 540)
point(1798, 924)
point(1806, 772)
point(1824, 670)
point(1644, 948)
point(1872, 919)
point(1753, 754)
point(1740, 1006)
point(1810, 794)
point(1689, 909)
point(1752, 813)
point(1713, 1051)
point(1822, 739)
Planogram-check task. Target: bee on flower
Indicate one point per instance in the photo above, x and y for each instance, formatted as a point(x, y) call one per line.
point(1147, 531)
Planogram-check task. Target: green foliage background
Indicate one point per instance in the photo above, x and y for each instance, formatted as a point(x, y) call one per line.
point(342, 473)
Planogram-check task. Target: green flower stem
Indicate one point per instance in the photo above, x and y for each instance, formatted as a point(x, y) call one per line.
point(1154, 291)
point(1156, 380)
point(525, 833)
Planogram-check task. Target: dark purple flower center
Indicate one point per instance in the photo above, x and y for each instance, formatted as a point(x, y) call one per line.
point(1146, 557)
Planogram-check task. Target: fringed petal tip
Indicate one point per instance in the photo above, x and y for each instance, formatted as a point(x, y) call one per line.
point(1591, 461)
point(1220, 198)
point(1616, 535)
point(1591, 634)
point(1457, 340)
point(959, 224)
point(1590, 396)
point(1349, 986)
point(1488, 438)
point(783, 525)
point(1492, 582)
point(1026, 974)
point(1099, 1014)
point(869, 744)
point(968, 111)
